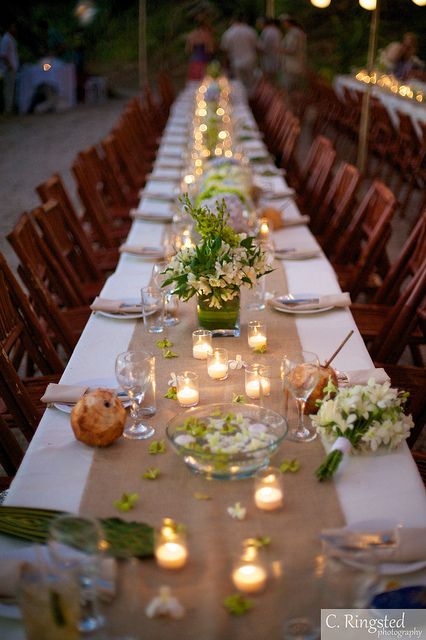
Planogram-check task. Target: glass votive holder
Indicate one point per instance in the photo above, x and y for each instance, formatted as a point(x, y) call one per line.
point(170, 547)
point(201, 344)
point(217, 364)
point(188, 393)
point(265, 229)
point(249, 572)
point(256, 335)
point(257, 381)
point(268, 491)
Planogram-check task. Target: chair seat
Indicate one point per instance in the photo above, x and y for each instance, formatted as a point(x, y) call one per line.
point(370, 318)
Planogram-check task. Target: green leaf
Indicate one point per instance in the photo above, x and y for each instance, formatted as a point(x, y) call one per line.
point(124, 539)
point(157, 446)
point(126, 502)
point(289, 466)
point(260, 349)
point(237, 604)
point(168, 353)
point(198, 495)
point(164, 344)
point(171, 393)
point(238, 398)
point(151, 473)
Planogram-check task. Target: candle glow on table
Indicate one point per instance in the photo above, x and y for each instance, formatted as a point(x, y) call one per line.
point(257, 334)
point(188, 397)
point(268, 491)
point(201, 344)
point(249, 578)
point(171, 555)
point(217, 364)
point(201, 351)
point(257, 341)
point(253, 388)
point(187, 392)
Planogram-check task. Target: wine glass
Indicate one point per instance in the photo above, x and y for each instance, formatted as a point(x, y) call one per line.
point(75, 546)
point(133, 370)
point(300, 375)
point(170, 300)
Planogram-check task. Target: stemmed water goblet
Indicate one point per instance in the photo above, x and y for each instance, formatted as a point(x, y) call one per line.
point(170, 300)
point(300, 375)
point(75, 546)
point(133, 370)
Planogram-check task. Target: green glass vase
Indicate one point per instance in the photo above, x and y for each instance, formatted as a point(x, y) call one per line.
point(223, 321)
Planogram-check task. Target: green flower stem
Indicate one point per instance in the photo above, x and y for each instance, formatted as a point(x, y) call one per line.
point(329, 467)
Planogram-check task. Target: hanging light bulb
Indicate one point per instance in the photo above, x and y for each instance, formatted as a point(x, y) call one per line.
point(321, 4)
point(420, 3)
point(370, 5)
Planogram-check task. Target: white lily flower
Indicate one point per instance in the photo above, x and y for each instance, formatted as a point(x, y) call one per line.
point(165, 605)
point(237, 511)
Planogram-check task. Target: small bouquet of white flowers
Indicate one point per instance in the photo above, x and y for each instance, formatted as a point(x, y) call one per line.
point(360, 418)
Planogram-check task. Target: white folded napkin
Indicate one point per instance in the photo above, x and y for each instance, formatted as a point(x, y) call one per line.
point(154, 216)
point(295, 222)
point(139, 250)
point(114, 306)
point(63, 393)
point(333, 300)
point(13, 561)
point(362, 376)
point(410, 543)
point(296, 254)
point(163, 178)
point(169, 163)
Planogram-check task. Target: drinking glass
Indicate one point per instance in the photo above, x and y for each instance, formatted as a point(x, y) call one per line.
point(300, 375)
point(257, 295)
point(170, 300)
point(75, 545)
point(133, 370)
point(153, 309)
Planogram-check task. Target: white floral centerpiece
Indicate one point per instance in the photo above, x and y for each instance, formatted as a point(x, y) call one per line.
point(218, 266)
point(360, 418)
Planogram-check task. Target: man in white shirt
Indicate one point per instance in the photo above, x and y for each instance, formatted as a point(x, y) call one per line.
point(270, 39)
point(240, 44)
point(9, 63)
point(294, 51)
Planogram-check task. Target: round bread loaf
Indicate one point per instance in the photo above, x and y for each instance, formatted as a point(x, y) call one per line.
point(98, 418)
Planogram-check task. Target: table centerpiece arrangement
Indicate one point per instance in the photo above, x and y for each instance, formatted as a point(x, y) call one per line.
point(217, 267)
point(361, 418)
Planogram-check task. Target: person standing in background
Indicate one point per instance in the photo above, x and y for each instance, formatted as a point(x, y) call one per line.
point(270, 43)
point(9, 63)
point(240, 44)
point(294, 51)
point(200, 46)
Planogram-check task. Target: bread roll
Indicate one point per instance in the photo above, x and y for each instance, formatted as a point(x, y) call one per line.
point(98, 418)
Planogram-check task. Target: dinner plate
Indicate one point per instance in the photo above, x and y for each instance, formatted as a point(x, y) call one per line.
point(297, 254)
point(384, 568)
point(123, 316)
point(105, 383)
point(294, 297)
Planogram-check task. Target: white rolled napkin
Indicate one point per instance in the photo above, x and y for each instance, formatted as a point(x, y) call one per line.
point(63, 393)
point(154, 216)
point(296, 253)
point(333, 300)
point(139, 250)
point(410, 543)
point(362, 376)
point(114, 306)
point(13, 561)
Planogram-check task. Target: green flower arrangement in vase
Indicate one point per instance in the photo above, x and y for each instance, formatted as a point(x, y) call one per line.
point(217, 267)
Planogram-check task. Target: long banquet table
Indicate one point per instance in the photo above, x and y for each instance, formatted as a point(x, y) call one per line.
point(60, 473)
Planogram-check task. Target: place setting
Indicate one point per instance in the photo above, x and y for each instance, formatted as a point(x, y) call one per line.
point(309, 303)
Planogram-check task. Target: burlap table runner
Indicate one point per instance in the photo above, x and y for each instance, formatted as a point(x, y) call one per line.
point(214, 537)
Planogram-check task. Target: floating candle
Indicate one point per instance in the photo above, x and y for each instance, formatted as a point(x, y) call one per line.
point(249, 578)
point(171, 555)
point(268, 498)
point(253, 387)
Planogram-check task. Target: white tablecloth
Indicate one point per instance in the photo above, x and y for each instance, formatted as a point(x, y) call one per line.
point(393, 103)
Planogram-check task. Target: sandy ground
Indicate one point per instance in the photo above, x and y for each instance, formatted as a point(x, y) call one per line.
point(33, 147)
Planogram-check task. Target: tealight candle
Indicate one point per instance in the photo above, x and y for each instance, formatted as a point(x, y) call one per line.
point(187, 389)
point(257, 379)
point(249, 575)
point(171, 551)
point(268, 492)
point(256, 334)
point(201, 344)
point(217, 364)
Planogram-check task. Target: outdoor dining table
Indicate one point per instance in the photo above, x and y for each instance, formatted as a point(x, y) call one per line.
point(58, 472)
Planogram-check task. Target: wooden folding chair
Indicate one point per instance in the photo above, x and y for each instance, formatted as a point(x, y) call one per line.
point(99, 259)
point(11, 453)
point(52, 295)
point(78, 265)
point(329, 221)
point(317, 182)
point(297, 177)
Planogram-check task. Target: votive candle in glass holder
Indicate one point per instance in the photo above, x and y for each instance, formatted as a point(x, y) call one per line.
point(171, 551)
point(268, 491)
point(201, 344)
point(187, 393)
point(217, 364)
point(257, 381)
point(249, 573)
point(256, 335)
point(265, 229)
